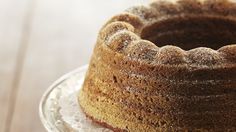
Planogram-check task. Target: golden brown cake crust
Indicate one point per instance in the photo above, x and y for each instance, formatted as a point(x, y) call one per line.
point(169, 66)
point(104, 124)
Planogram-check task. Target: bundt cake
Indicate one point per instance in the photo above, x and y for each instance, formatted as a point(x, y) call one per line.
point(168, 66)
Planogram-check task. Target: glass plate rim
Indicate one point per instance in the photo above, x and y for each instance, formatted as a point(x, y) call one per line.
point(46, 94)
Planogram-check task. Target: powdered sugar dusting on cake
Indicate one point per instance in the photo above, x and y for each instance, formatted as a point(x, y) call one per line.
point(147, 14)
point(121, 40)
point(114, 27)
point(134, 20)
point(122, 30)
point(171, 55)
point(142, 50)
point(229, 52)
point(204, 56)
point(164, 7)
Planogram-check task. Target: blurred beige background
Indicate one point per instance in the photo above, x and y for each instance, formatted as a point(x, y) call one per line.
point(40, 40)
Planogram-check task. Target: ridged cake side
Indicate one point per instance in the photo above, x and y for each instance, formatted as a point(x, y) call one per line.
point(134, 85)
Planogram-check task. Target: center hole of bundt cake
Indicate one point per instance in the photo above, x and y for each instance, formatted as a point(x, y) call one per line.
point(192, 32)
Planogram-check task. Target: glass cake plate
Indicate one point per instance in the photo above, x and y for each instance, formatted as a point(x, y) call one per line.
point(59, 110)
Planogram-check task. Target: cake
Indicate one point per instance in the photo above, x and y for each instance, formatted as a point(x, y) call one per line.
point(168, 66)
